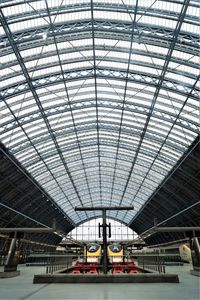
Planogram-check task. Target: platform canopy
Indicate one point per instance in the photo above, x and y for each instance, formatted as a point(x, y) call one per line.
point(99, 100)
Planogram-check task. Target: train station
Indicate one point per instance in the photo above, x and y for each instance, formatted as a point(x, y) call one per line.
point(99, 149)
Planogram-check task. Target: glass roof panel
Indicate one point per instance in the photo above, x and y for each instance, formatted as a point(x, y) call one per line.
point(99, 106)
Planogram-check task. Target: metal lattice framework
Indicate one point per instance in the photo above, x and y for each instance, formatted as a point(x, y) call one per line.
point(175, 203)
point(25, 204)
point(99, 99)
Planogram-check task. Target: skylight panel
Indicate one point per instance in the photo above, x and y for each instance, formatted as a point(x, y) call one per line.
point(106, 97)
point(140, 87)
point(35, 51)
point(6, 137)
point(46, 71)
point(83, 97)
point(173, 96)
point(12, 81)
point(110, 85)
point(81, 15)
point(193, 11)
point(78, 43)
point(49, 159)
point(53, 98)
point(41, 61)
point(111, 1)
point(132, 118)
point(76, 55)
point(167, 105)
point(27, 154)
point(187, 69)
point(190, 28)
point(183, 56)
point(47, 148)
point(173, 153)
point(111, 54)
point(159, 126)
point(150, 60)
point(19, 137)
point(17, 9)
point(166, 5)
point(2, 43)
point(71, 2)
point(50, 89)
point(180, 78)
point(150, 146)
point(178, 134)
point(140, 98)
point(111, 16)
point(112, 64)
point(38, 5)
point(145, 69)
point(155, 21)
point(78, 65)
point(112, 43)
point(8, 58)
point(31, 23)
point(191, 114)
point(157, 49)
point(8, 71)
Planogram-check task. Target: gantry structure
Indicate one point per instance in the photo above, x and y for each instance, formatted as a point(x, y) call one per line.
point(99, 106)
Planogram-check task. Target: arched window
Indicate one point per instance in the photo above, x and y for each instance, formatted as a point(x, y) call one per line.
point(89, 231)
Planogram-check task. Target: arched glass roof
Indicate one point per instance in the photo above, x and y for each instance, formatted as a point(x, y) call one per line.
point(99, 99)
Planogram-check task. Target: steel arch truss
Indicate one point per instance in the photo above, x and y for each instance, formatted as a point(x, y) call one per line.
point(176, 202)
point(99, 100)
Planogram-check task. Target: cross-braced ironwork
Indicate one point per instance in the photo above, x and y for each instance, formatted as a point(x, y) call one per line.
point(100, 100)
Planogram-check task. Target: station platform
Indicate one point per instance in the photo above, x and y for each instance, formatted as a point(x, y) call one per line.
point(22, 288)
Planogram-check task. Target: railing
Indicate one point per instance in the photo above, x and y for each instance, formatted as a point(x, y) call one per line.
point(172, 259)
point(155, 263)
point(21, 259)
point(41, 259)
point(51, 262)
point(56, 263)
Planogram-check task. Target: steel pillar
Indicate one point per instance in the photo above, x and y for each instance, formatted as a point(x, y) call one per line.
point(195, 251)
point(105, 256)
point(11, 262)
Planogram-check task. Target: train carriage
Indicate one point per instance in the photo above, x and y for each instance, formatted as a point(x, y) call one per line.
point(115, 253)
point(92, 252)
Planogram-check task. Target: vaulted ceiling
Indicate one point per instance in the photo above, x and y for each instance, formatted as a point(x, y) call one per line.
point(99, 100)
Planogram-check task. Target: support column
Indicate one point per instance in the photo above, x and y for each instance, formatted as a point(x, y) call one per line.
point(11, 262)
point(104, 242)
point(195, 251)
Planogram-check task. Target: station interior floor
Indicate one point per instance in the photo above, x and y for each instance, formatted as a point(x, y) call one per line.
point(22, 288)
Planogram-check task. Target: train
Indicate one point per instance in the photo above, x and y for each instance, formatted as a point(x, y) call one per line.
point(93, 260)
point(118, 262)
point(182, 251)
point(115, 253)
point(179, 252)
point(185, 253)
point(92, 252)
